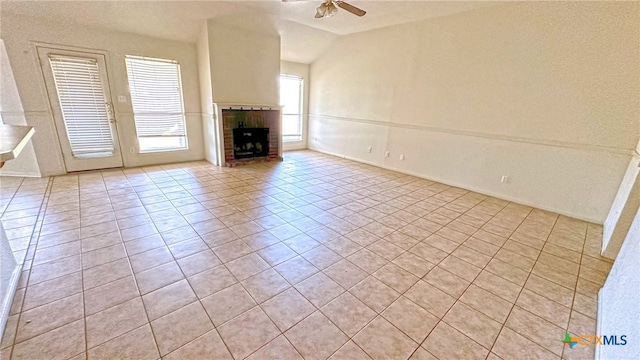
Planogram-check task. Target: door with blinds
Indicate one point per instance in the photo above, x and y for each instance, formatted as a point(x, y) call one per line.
point(78, 89)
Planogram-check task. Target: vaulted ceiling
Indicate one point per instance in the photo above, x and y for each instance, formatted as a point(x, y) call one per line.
point(303, 37)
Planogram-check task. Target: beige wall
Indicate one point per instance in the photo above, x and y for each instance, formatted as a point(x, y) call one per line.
point(302, 70)
point(545, 93)
point(245, 65)
point(22, 33)
point(12, 112)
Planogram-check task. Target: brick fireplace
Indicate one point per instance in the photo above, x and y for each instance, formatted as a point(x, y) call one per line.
point(250, 134)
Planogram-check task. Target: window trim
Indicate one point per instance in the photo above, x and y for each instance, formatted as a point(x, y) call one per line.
point(182, 113)
point(301, 109)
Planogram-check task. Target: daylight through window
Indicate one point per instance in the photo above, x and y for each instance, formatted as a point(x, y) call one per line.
point(156, 97)
point(291, 100)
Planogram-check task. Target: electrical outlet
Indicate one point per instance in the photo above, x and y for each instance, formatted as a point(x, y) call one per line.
point(132, 150)
point(369, 149)
point(504, 179)
point(122, 98)
point(387, 153)
point(401, 156)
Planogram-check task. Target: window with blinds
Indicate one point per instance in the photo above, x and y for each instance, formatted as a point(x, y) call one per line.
point(291, 100)
point(156, 97)
point(83, 106)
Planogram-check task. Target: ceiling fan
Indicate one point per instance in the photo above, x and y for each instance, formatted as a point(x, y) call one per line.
point(328, 8)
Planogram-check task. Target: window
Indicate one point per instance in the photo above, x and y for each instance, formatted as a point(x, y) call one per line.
point(156, 97)
point(83, 106)
point(291, 100)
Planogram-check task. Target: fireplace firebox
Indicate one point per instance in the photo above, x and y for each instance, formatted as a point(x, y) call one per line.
point(246, 134)
point(250, 142)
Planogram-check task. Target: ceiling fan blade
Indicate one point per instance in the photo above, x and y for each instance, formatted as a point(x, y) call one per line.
point(350, 8)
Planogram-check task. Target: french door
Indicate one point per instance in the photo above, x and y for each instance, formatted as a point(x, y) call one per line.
point(78, 89)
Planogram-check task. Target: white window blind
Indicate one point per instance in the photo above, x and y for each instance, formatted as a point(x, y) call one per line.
point(291, 100)
point(83, 105)
point(156, 97)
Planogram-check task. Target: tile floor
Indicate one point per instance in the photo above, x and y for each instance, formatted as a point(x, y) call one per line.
point(315, 257)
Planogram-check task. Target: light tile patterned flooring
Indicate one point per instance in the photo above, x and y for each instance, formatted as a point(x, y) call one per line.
point(315, 257)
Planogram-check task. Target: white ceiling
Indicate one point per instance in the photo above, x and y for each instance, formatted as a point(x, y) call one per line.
point(303, 37)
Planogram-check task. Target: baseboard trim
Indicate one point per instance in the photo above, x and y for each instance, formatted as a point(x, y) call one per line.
point(294, 147)
point(463, 186)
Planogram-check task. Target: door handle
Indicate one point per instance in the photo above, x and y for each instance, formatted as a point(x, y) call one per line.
point(110, 112)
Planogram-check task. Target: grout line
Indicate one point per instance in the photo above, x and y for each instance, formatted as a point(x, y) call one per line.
point(135, 279)
point(84, 299)
point(15, 334)
point(516, 300)
point(293, 286)
point(379, 190)
point(573, 299)
point(43, 206)
point(441, 319)
point(186, 279)
point(4, 210)
point(421, 278)
point(377, 314)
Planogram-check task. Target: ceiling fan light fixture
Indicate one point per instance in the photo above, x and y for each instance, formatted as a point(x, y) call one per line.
point(331, 10)
point(321, 11)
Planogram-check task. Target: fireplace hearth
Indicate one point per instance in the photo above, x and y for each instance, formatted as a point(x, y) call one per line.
point(250, 142)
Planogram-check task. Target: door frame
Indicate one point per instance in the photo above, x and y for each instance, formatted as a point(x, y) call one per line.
point(40, 50)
